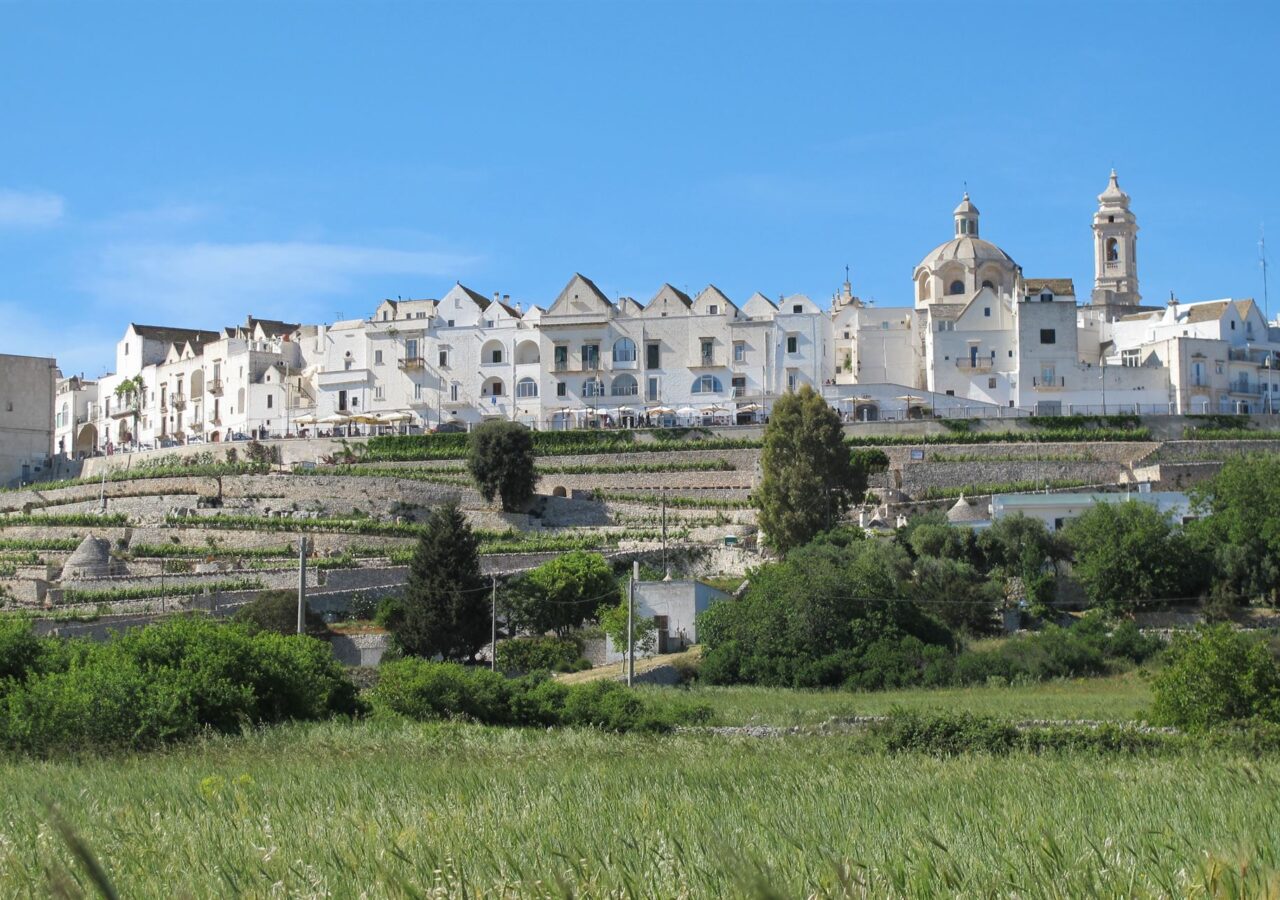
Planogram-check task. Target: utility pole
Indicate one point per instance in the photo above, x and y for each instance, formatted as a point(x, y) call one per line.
point(631, 618)
point(493, 623)
point(302, 581)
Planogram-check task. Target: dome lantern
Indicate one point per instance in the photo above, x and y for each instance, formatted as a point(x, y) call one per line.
point(966, 216)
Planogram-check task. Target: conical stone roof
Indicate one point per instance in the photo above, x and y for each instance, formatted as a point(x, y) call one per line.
point(92, 559)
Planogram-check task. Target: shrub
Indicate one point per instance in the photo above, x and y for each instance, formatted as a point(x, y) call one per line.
point(166, 682)
point(500, 459)
point(946, 734)
point(1215, 676)
point(427, 691)
point(540, 654)
point(278, 611)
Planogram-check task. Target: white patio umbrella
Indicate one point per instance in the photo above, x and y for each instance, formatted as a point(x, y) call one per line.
point(750, 408)
point(335, 419)
point(713, 410)
point(686, 411)
point(910, 399)
point(307, 419)
point(662, 410)
point(393, 417)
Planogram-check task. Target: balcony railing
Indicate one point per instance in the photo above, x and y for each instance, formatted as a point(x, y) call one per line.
point(706, 361)
point(413, 362)
point(125, 409)
point(215, 386)
point(1245, 387)
point(1049, 384)
point(974, 365)
point(626, 390)
point(178, 402)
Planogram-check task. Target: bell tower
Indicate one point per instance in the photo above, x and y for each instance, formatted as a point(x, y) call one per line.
point(1115, 250)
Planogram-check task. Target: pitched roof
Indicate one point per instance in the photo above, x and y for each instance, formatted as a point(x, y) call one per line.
point(173, 335)
point(581, 284)
point(1206, 312)
point(1063, 286)
point(711, 292)
point(947, 310)
point(662, 300)
point(480, 299)
point(272, 327)
point(91, 559)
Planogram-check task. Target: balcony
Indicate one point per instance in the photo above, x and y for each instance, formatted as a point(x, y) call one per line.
point(632, 390)
point(215, 386)
point(128, 408)
point(178, 402)
point(974, 365)
point(1252, 389)
point(1049, 384)
point(412, 363)
point(707, 361)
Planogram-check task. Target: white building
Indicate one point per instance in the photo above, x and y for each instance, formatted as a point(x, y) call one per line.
point(1056, 510)
point(26, 416)
point(74, 433)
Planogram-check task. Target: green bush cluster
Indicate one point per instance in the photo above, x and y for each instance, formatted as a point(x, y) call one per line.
point(407, 448)
point(945, 734)
point(428, 691)
point(1230, 434)
point(540, 654)
point(277, 611)
point(110, 595)
point(1046, 435)
point(159, 684)
point(100, 520)
point(1215, 677)
point(39, 543)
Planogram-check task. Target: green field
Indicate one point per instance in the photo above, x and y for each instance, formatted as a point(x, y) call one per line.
point(1117, 698)
point(398, 810)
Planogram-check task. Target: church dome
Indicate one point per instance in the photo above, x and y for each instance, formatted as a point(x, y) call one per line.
point(968, 250)
point(965, 264)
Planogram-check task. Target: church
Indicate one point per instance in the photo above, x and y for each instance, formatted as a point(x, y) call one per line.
point(983, 337)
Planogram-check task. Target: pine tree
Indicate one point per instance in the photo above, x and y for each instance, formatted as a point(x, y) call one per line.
point(446, 607)
point(809, 478)
point(502, 463)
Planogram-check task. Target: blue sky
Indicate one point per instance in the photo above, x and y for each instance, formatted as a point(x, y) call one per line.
point(190, 163)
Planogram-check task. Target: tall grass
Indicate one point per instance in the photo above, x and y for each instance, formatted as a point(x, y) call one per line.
point(403, 810)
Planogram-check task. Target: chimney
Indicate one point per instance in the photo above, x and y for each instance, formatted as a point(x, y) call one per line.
point(506, 298)
point(496, 295)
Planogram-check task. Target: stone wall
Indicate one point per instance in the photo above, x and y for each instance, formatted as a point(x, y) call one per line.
point(360, 649)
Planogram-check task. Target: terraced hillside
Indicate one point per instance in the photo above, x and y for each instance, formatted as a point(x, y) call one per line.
point(209, 527)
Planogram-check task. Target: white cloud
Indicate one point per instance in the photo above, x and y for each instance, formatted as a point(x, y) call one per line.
point(30, 209)
point(214, 280)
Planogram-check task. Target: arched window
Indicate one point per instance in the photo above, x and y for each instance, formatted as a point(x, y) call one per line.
point(624, 386)
point(492, 388)
point(593, 387)
point(526, 387)
point(624, 350)
point(988, 284)
point(1113, 250)
point(707, 384)
point(957, 287)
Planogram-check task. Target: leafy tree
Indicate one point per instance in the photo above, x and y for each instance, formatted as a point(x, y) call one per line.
point(942, 542)
point(500, 457)
point(1214, 677)
point(1126, 553)
point(643, 629)
point(561, 594)
point(809, 478)
point(812, 620)
point(1022, 547)
point(1241, 530)
point(956, 593)
point(278, 611)
point(446, 606)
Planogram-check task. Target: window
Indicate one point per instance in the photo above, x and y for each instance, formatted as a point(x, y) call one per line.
point(562, 389)
point(1048, 336)
point(740, 351)
point(377, 357)
point(377, 395)
point(739, 385)
point(342, 400)
point(986, 312)
point(271, 399)
point(444, 359)
point(526, 387)
point(797, 308)
point(417, 392)
point(652, 355)
point(707, 384)
point(989, 286)
point(497, 356)
point(450, 323)
point(561, 356)
point(624, 350)
point(126, 349)
point(792, 343)
point(453, 392)
point(355, 401)
point(492, 388)
point(593, 387)
point(713, 309)
point(1197, 374)
point(590, 356)
point(956, 287)
point(791, 382)
point(624, 386)
point(1131, 358)
point(708, 350)
point(1048, 375)
point(1233, 325)
point(951, 393)
point(991, 383)
point(410, 349)
point(1113, 250)
point(884, 326)
point(651, 392)
point(1046, 297)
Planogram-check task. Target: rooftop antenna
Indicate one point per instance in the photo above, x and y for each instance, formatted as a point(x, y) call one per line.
point(1262, 259)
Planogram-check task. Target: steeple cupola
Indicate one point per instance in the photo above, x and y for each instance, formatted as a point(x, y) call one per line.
point(966, 216)
point(1115, 250)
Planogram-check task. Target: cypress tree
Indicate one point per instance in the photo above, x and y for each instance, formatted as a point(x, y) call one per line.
point(446, 607)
